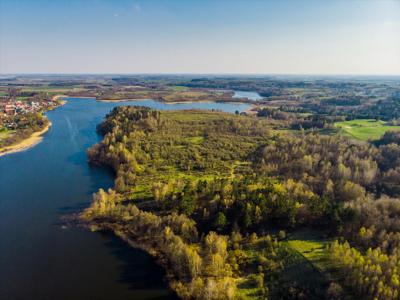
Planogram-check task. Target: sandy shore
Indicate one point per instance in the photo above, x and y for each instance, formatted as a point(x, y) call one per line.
point(35, 137)
point(27, 143)
point(252, 110)
point(56, 97)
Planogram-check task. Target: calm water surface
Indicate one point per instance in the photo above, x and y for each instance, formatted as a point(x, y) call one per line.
point(250, 95)
point(41, 260)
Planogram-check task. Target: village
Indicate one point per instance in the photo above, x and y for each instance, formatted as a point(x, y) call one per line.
point(15, 103)
point(11, 106)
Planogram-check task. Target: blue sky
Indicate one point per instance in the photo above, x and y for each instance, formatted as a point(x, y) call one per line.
point(207, 36)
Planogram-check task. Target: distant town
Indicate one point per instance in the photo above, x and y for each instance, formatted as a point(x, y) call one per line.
point(17, 102)
point(12, 103)
point(21, 115)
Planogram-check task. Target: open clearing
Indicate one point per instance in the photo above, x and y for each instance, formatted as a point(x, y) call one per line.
point(365, 129)
point(309, 265)
point(313, 267)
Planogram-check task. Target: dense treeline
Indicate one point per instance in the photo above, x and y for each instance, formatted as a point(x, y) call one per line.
point(296, 120)
point(373, 275)
point(247, 203)
point(374, 223)
point(390, 137)
point(190, 184)
point(200, 267)
point(332, 166)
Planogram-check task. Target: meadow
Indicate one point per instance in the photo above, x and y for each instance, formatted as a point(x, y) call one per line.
point(5, 134)
point(365, 129)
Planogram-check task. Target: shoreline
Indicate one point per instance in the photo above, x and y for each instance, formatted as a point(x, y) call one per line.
point(252, 110)
point(204, 101)
point(56, 97)
point(27, 143)
point(118, 100)
point(35, 138)
point(169, 102)
point(135, 242)
point(160, 101)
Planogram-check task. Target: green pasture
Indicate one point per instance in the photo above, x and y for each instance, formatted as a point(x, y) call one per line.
point(364, 129)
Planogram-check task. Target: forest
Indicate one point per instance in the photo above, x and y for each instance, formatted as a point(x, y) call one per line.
point(221, 199)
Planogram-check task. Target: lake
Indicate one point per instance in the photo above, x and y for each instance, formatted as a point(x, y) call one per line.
point(39, 259)
point(250, 95)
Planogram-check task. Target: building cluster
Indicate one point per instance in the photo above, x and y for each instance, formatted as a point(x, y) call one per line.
point(10, 107)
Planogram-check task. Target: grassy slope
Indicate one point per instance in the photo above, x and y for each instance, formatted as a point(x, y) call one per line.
point(4, 134)
point(365, 129)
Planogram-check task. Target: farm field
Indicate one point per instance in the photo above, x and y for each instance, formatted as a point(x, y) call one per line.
point(365, 129)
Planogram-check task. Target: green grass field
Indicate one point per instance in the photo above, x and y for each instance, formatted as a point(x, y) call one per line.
point(314, 265)
point(308, 265)
point(365, 129)
point(5, 134)
point(179, 88)
point(312, 246)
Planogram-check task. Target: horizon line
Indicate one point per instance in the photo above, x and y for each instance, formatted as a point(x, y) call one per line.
point(203, 74)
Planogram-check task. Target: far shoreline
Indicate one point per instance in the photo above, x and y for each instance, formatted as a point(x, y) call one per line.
point(171, 102)
point(251, 110)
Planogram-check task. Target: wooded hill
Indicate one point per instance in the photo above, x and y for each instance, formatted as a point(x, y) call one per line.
point(216, 197)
